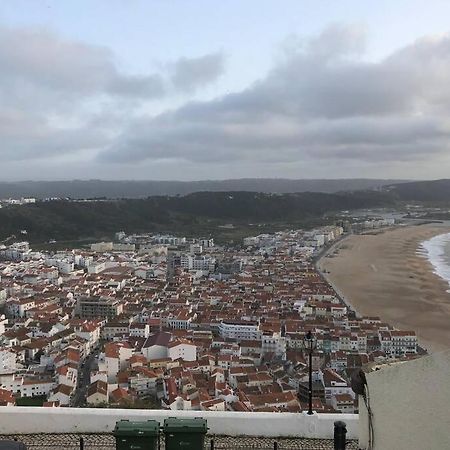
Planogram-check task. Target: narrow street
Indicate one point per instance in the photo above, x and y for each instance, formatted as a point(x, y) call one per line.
point(79, 397)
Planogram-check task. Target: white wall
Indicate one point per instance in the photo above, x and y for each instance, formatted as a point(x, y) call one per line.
point(410, 403)
point(187, 352)
point(25, 420)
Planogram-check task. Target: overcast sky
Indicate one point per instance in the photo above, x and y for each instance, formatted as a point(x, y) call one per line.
point(202, 89)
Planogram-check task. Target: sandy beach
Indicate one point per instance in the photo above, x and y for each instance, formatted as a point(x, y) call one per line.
point(381, 275)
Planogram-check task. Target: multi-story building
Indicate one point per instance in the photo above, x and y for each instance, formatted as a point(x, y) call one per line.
point(198, 262)
point(403, 343)
point(274, 343)
point(239, 330)
point(99, 307)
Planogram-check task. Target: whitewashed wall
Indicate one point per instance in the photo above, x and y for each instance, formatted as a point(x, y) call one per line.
point(90, 420)
point(410, 404)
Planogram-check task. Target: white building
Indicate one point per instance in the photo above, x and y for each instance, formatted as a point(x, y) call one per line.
point(182, 349)
point(156, 345)
point(239, 330)
point(206, 243)
point(198, 262)
point(139, 330)
point(403, 343)
point(28, 387)
point(275, 344)
point(102, 247)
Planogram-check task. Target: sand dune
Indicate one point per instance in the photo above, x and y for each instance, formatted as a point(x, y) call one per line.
point(382, 275)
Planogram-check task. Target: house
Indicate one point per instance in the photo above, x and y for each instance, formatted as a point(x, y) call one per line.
point(121, 396)
point(116, 357)
point(32, 387)
point(67, 375)
point(90, 330)
point(97, 393)
point(334, 385)
point(216, 404)
point(62, 394)
point(156, 345)
point(144, 381)
point(97, 375)
point(343, 403)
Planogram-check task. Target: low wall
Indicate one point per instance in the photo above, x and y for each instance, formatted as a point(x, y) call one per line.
point(30, 420)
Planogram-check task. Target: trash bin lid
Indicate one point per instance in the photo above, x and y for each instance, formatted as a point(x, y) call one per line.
point(175, 425)
point(127, 428)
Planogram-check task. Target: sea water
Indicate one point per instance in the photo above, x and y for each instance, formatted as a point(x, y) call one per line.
point(437, 250)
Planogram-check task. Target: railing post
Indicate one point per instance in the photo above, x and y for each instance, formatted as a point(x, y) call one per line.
point(212, 444)
point(81, 443)
point(275, 445)
point(340, 435)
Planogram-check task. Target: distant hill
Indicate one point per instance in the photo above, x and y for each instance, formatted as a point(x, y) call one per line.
point(421, 191)
point(143, 189)
point(192, 214)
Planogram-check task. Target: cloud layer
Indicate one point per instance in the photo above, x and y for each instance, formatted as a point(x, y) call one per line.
point(57, 95)
point(322, 102)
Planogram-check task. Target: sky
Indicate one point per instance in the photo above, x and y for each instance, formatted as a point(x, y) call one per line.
point(202, 89)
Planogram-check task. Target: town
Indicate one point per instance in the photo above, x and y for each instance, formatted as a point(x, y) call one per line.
point(161, 321)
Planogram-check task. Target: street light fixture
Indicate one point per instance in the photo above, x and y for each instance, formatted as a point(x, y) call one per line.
point(309, 344)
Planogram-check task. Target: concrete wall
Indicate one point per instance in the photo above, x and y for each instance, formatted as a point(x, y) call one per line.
point(90, 420)
point(410, 403)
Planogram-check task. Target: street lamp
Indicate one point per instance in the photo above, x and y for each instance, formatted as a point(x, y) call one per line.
point(309, 344)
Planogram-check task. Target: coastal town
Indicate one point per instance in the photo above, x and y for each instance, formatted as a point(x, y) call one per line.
point(167, 322)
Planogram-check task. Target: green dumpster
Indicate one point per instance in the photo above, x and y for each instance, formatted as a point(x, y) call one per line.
point(137, 435)
point(187, 434)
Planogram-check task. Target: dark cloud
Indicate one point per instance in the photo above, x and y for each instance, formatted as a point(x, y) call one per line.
point(191, 74)
point(322, 101)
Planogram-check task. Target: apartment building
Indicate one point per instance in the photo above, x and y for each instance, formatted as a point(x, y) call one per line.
point(239, 330)
point(98, 307)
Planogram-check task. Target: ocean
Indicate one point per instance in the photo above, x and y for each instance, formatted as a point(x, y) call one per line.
point(437, 250)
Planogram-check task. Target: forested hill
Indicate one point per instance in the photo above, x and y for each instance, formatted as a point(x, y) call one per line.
point(422, 191)
point(143, 189)
point(189, 214)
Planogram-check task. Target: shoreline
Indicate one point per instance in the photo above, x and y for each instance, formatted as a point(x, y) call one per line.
point(383, 275)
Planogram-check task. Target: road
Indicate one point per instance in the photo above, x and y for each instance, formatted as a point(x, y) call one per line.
point(84, 372)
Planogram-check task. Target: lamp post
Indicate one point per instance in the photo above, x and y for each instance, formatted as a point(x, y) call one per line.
point(309, 343)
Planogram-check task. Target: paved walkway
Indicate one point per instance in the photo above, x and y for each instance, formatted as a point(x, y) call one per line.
point(107, 442)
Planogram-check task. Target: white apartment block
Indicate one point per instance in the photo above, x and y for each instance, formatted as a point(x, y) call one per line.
point(403, 343)
point(239, 330)
point(206, 263)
